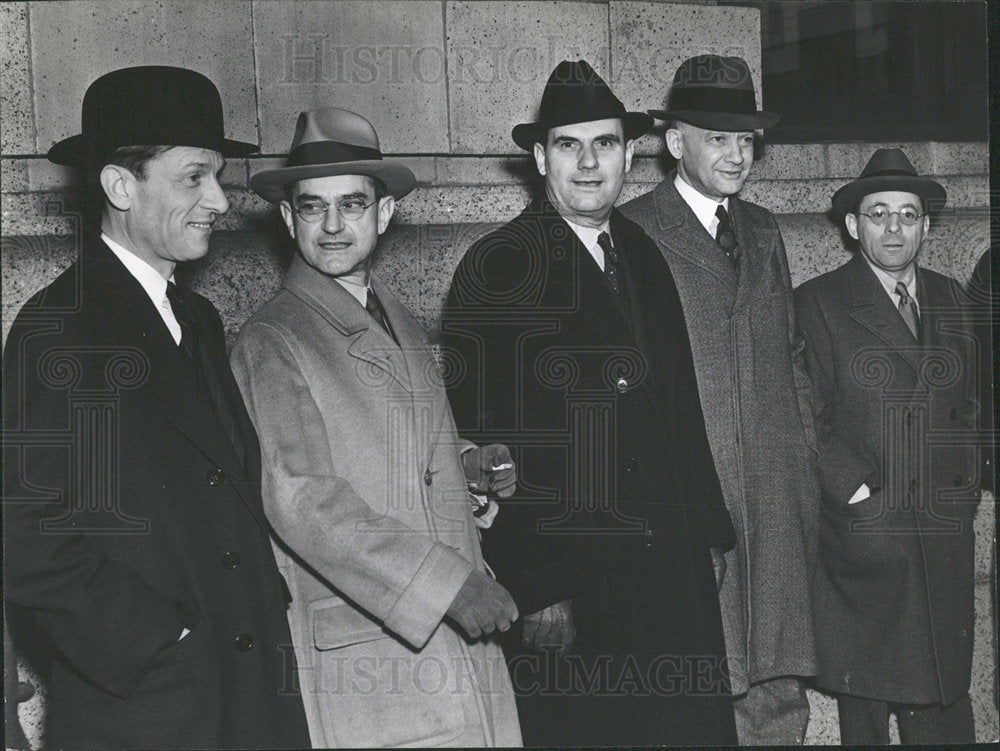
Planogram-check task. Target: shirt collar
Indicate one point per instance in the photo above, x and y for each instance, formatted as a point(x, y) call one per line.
point(358, 291)
point(150, 279)
point(588, 235)
point(703, 207)
point(889, 282)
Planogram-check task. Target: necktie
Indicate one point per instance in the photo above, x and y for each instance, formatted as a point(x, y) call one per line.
point(375, 310)
point(908, 310)
point(612, 262)
point(726, 236)
point(194, 347)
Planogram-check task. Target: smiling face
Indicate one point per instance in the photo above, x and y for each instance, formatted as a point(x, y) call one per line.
point(584, 165)
point(713, 162)
point(893, 247)
point(333, 245)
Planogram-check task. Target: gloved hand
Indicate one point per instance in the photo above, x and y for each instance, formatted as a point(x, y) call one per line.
point(482, 606)
point(551, 627)
point(490, 469)
point(719, 564)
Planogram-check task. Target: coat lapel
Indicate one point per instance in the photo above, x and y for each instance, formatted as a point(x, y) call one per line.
point(757, 245)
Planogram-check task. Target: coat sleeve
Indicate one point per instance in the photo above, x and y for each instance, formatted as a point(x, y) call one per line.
point(842, 470)
point(99, 613)
point(397, 574)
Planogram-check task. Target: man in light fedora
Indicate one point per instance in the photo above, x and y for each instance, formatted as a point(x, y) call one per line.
point(571, 344)
point(891, 353)
point(366, 482)
point(135, 539)
point(728, 260)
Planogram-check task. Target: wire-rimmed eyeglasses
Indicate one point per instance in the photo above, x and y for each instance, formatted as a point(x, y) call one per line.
point(315, 211)
point(880, 216)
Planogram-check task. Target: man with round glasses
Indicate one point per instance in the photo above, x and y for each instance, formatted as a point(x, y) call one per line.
point(890, 352)
point(365, 481)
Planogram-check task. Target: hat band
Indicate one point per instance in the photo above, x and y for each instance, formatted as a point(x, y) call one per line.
point(330, 152)
point(713, 99)
point(890, 173)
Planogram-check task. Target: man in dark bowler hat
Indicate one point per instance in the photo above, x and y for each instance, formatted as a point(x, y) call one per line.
point(568, 341)
point(135, 540)
point(728, 260)
point(891, 353)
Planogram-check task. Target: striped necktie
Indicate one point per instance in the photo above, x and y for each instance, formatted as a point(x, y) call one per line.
point(908, 310)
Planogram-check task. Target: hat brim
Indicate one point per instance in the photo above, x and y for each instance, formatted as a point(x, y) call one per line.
point(75, 150)
point(728, 122)
point(930, 191)
point(271, 184)
point(526, 135)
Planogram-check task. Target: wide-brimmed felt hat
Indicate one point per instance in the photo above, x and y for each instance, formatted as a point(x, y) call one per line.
point(575, 93)
point(332, 141)
point(715, 92)
point(148, 105)
point(889, 169)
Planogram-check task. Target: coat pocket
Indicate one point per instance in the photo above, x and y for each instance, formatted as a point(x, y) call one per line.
point(336, 623)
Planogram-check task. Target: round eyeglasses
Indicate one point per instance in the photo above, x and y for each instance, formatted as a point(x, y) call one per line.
point(315, 211)
point(880, 216)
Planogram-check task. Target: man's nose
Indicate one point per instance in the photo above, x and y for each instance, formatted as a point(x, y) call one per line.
point(588, 158)
point(734, 153)
point(214, 197)
point(333, 222)
point(893, 224)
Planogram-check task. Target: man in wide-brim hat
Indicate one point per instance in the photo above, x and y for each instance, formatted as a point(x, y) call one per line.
point(366, 482)
point(891, 353)
point(728, 259)
point(135, 539)
point(571, 343)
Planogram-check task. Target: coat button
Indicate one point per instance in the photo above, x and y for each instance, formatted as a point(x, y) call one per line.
point(215, 477)
point(427, 477)
point(231, 560)
point(650, 538)
point(622, 385)
point(244, 642)
point(632, 464)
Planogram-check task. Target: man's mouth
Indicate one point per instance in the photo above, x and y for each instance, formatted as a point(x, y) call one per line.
point(334, 245)
point(588, 183)
point(204, 226)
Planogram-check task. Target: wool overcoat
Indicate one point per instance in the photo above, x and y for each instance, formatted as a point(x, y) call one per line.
point(363, 484)
point(618, 502)
point(755, 394)
point(128, 516)
point(894, 599)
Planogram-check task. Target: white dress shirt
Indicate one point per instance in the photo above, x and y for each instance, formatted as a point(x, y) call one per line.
point(703, 207)
point(151, 281)
point(358, 291)
point(889, 283)
point(588, 236)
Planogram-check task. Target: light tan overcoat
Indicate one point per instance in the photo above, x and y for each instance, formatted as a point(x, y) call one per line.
point(363, 485)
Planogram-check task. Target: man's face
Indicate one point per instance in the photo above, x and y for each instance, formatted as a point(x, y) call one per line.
point(334, 245)
point(171, 212)
point(713, 162)
point(893, 247)
point(584, 165)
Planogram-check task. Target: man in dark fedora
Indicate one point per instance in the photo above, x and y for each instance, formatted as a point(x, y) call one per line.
point(366, 482)
point(135, 540)
point(891, 353)
point(569, 342)
point(728, 260)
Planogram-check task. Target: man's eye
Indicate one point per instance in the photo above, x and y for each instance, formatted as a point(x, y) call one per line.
point(879, 213)
point(352, 205)
point(194, 178)
point(747, 140)
point(311, 208)
point(908, 214)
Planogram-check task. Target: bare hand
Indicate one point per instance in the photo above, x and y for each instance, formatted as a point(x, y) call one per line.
point(482, 606)
point(551, 627)
point(490, 469)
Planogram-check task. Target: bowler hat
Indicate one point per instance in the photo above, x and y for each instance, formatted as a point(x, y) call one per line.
point(888, 169)
point(576, 94)
point(715, 93)
point(148, 105)
point(332, 141)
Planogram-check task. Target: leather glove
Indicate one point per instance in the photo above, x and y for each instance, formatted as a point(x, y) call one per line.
point(719, 564)
point(482, 606)
point(490, 469)
point(551, 627)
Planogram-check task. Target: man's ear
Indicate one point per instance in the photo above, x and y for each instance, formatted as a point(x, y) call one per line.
point(851, 222)
point(674, 140)
point(386, 207)
point(289, 216)
point(118, 185)
point(539, 151)
point(629, 150)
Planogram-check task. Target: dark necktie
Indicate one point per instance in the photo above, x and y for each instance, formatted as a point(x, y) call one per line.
point(375, 310)
point(726, 236)
point(908, 310)
point(194, 347)
point(612, 262)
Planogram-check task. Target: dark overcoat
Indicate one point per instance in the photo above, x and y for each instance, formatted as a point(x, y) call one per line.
point(128, 516)
point(755, 394)
point(618, 502)
point(894, 601)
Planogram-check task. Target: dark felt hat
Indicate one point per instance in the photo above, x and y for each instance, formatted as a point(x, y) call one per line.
point(576, 94)
point(888, 169)
point(331, 141)
point(716, 93)
point(148, 105)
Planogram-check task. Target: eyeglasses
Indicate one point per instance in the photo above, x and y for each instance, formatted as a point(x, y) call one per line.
point(880, 216)
point(315, 211)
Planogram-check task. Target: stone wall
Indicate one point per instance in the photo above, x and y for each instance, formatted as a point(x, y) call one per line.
point(443, 82)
